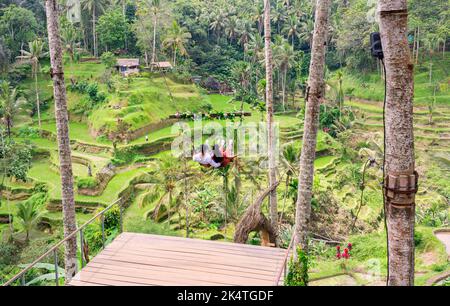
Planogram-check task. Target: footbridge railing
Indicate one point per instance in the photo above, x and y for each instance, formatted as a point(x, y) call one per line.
point(284, 265)
point(53, 251)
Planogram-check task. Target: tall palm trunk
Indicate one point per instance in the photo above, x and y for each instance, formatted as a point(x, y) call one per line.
point(399, 135)
point(315, 96)
point(418, 46)
point(285, 69)
point(62, 127)
point(94, 31)
point(36, 88)
point(155, 23)
point(225, 196)
point(273, 206)
point(174, 55)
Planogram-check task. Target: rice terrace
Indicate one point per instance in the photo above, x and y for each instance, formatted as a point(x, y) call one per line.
point(224, 143)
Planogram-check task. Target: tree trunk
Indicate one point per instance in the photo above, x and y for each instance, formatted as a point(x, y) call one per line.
point(225, 198)
point(443, 49)
point(418, 45)
point(62, 127)
point(284, 87)
point(94, 32)
point(254, 220)
point(430, 76)
point(315, 96)
point(174, 56)
point(186, 196)
point(155, 23)
point(270, 123)
point(38, 107)
point(399, 136)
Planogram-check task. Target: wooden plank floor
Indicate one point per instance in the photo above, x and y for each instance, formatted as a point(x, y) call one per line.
point(151, 260)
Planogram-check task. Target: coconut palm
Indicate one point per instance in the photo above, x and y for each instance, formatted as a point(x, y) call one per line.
point(10, 103)
point(155, 9)
point(289, 160)
point(292, 28)
point(399, 142)
point(34, 55)
point(62, 131)
point(258, 17)
point(306, 31)
point(163, 191)
point(285, 59)
point(231, 27)
point(218, 22)
point(278, 16)
point(431, 43)
point(95, 7)
point(29, 216)
point(70, 36)
point(241, 73)
point(273, 206)
point(316, 85)
point(255, 47)
point(340, 93)
point(244, 30)
point(176, 39)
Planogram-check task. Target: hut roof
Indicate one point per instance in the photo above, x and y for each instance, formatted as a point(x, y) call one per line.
point(127, 62)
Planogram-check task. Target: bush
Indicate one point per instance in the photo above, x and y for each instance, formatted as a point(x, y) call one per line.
point(87, 183)
point(298, 270)
point(28, 132)
point(108, 59)
point(8, 254)
point(91, 89)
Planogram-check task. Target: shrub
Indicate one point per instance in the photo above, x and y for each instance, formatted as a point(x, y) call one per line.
point(108, 59)
point(298, 270)
point(28, 132)
point(88, 182)
point(8, 253)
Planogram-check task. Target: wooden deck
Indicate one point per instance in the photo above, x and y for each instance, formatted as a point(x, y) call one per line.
point(147, 260)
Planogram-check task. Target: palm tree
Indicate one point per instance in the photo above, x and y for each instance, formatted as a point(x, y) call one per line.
point(123, 4)
point(431, 42)
point(285, 58)
point(241, 73)
point(258, 16)
point(340, 93)
point(156, 9)
point(36, 52)
point(94, 7)
point(62, 129)
point(316, 90)
point(244, 30)
point(307, 30)
point(177, 39)
point(255, 47)
point(273, 206)
point(29, 216)
point(10, 103)
point(231, 27)
point(399, 141)
point(69, 36)
point(292, 28)
point(278, 16)
point(289, 158)
point(218, 22)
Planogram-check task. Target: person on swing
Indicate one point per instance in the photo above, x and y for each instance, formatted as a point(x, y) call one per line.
point(223, 155)
point(205, 157)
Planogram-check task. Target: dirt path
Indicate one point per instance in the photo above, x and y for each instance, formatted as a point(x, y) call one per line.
point(444, 237)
